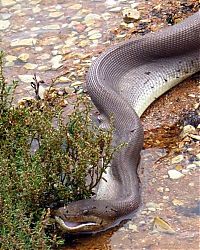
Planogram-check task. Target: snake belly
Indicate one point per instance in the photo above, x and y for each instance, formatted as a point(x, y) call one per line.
point(122, 82)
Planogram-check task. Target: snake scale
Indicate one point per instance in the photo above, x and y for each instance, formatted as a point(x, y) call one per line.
point(123, 82)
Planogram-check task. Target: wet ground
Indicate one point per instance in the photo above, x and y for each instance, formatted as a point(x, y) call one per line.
point(57, 40)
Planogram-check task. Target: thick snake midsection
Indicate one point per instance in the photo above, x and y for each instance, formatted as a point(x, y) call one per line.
point(122, 83)
point(128, 78)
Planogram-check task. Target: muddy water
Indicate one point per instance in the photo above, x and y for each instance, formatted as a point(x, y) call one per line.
point(41, 37)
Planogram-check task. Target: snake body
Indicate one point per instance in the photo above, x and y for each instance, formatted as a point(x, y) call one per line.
point(123, 82)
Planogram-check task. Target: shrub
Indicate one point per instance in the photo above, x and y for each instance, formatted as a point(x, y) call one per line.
point(45, 160)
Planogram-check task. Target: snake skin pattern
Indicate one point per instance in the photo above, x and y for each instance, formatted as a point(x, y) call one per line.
point(123, 82)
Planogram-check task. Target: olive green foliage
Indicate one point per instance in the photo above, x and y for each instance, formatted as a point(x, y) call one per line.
point(45, 161)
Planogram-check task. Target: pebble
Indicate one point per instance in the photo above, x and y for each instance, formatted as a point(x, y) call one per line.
point(95, 36)
point(174, 174)
point(6, 3)
point(191, 166)
point(198, 156)
point(30, 66)
point(23, 57)
point(51, 27)
point(187, 130)
point(10, 58)
point(56, 62)
point(177, 159)
point(56, 14)
point(115, 10)
point(4, 24)
point(23, 42)
point(27, 78)
point(129, 15)
point(133, 227)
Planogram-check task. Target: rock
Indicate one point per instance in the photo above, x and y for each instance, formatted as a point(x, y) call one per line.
point(91, 17)
point(130, 15)
point(133, 227)
point(115, 10)
point(10, 58)
point(27, 78)
point(159, 225)
point(44, 56)
point(36, 10)
point(4, 24)
point(30, 66)
point(23, 42)
point(95, 36)
point(6, 3)
point(196, 137)
point(76, 84)
point(174, 174)
point(23, 57)
point(177, 159)
point(177, 202)
point(151, 206)
point(51, 27)
point(56, 14)
point(75, 7)
point(55, 61)
point(110, 3)
point(198, 156)
point(188, 129)
point(191, 166)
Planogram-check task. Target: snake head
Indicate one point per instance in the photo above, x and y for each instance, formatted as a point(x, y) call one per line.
point(85, 216)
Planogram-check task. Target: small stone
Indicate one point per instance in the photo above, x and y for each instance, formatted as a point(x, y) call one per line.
point(44, 68)
point(151, 206)
point(44, 56)
point(106, 16)
point(23, 42)
point(177, 202)
point(179, 167)
point(198, 156)
point(110, 3)
point(10, 58)
point(133, 227)
point(27, 78)
point(23, 57)
point(36, 9)
point(56, 14)
point(160, 189)
point(191, 166)
point(6, 3)
point(83, 43)
point(91, 17)
point(51, 27)
point(177, 159)
point(70, 42)
point(95, 36)
point(174, 174)
point(75, 84)
point(49, 40)
point(69, 90)
point(188, 129)
point(196, 137)
point(4, 24)
point(115, 10)
point(56, 62)
point(185, 171)
point(130, 15)
point(65, 50)
point(30, 66)
point(38, 49)
point(75, 7)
